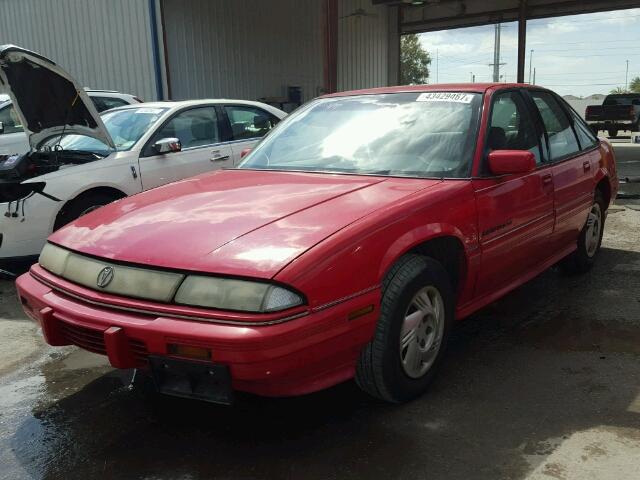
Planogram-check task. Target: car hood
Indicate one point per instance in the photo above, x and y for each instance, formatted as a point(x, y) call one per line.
point(47, 99)
point(234, 222)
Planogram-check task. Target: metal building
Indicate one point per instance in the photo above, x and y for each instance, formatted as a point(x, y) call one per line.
point(250, 49)
point(172, 49)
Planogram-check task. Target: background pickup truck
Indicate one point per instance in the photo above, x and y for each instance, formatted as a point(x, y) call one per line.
point(617, 112)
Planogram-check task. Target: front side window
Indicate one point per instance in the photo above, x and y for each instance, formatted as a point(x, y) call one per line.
point(10, 121)
point(249, 122)
point(196, 127)
point(511, 127)
point(429, 134)
point(562, 140)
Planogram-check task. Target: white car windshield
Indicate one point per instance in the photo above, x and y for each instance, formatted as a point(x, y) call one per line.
point(428, 134)
point(125, 126)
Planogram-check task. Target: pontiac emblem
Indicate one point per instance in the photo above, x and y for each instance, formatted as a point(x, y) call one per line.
point(105, 277)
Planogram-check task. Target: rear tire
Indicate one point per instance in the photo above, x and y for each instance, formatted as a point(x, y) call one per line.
point(416, 315)
point(82, 205)
point(590, 239)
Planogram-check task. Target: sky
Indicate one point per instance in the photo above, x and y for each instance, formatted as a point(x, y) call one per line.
point(575, 55)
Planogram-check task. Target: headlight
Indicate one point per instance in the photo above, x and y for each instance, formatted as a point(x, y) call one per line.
point(230, 294)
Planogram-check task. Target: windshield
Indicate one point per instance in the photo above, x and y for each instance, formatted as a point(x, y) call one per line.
point(125, 127)
point(428, 134)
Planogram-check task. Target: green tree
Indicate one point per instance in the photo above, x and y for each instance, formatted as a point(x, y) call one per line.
point(634, 86)
point(414, 61)
point(619, 90)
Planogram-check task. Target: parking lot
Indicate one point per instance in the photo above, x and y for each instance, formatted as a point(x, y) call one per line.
point(542, 384)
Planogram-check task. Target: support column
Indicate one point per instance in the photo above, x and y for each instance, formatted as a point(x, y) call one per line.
point(393, 53)
point(522, 39)
point(330, 53)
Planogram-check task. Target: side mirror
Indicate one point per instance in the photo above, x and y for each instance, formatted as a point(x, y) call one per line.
point(167, 145)
point(509, 162)
point(1, 127)
point(245, 152)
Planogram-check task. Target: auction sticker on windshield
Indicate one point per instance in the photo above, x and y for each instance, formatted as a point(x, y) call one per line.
point(457, 97)
point(153, 111)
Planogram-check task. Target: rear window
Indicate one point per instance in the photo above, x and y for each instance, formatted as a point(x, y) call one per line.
point(622, 100)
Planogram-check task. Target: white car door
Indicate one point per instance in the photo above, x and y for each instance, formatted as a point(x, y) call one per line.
point(198, 130)
point(12, 136)
point(248, 125)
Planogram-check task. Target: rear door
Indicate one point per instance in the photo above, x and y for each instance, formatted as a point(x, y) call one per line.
point(247, 125)
point(198, 130)
point(515, 212)
point(573, 166)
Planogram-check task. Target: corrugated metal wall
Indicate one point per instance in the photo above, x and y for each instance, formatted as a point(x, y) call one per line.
point(363, 44)
point(103, 44)
point(245, 49)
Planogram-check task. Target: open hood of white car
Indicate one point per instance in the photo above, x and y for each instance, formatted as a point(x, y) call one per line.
point(47, 99)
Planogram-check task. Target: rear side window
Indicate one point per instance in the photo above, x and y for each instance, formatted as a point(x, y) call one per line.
point(10, 121)
point(586, 137)
point(107, 103)
point(511, 127)
point(249, 122)
point(562, 140)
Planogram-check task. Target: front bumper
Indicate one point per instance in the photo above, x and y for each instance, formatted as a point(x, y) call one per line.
point(25, 235)
point(295, 357)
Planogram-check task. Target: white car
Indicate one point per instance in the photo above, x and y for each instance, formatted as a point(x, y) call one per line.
point(12, 136)
point(80, 160)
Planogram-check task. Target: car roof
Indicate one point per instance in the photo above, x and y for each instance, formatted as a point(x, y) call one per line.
point(438, 87)
point(195, 103)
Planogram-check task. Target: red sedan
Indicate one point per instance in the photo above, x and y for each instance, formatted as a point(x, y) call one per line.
point(345, 245)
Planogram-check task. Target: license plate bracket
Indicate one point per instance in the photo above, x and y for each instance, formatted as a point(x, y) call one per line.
point(188, 379)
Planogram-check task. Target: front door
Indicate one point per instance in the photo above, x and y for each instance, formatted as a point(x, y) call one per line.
point(515, 212)
point(202, 151)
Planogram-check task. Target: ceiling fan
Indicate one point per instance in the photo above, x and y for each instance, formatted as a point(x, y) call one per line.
point(359, 13)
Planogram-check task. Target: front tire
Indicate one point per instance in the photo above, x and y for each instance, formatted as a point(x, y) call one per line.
point(82, 205)
point(590, 239)
point(415, 321)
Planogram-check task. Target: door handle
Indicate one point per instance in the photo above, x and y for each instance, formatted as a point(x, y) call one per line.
point(546, 179)
point(586, 166)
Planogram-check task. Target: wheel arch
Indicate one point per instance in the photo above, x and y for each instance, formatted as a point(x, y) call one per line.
point(444, 244)
point(604, 186)
point(114, 192)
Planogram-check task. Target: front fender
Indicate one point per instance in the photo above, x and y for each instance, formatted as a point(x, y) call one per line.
point(418, 236)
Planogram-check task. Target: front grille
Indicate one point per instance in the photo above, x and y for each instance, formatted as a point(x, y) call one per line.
point(139, 351)
point(87, 338)
point(93, 340)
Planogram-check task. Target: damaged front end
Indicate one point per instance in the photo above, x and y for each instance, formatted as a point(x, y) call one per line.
point(49, 104)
